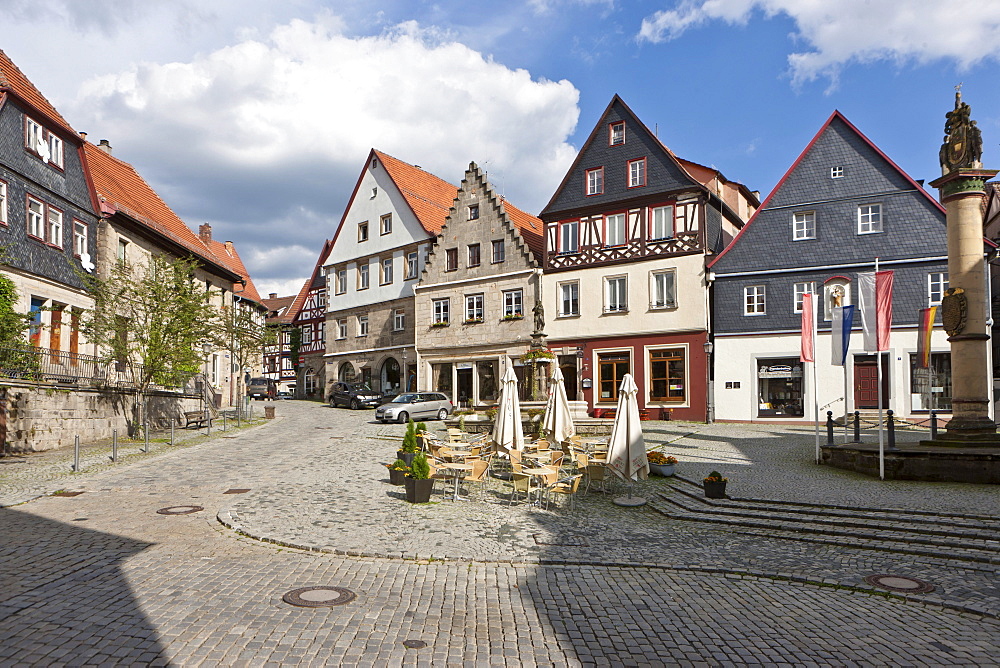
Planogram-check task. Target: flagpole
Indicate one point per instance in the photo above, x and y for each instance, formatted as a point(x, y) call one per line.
point(847, 438)
point(815, 334)
point(878, 385)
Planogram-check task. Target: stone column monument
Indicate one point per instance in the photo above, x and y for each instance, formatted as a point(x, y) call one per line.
point(963, 309)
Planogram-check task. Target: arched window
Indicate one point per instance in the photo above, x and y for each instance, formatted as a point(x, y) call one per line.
point(347, 373)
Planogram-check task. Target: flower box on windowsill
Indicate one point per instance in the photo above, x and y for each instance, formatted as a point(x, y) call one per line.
point(473, 321)
point(440, 324)
point(516, 316)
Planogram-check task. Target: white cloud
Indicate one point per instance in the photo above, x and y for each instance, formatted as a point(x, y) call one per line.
point(853, 31)
point(266, 137)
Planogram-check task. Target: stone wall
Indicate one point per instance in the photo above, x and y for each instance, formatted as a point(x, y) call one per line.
point(34, 418)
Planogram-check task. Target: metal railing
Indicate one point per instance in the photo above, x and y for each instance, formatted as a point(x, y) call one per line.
point(44, 365)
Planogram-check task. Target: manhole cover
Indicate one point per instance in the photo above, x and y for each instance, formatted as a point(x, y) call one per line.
point(236, 491)
point(900, 583)
point(319, 597)
point(414, 644)
point(66, 493)
point(179, 510)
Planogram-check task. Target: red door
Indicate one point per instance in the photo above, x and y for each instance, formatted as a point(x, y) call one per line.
point(866, 385)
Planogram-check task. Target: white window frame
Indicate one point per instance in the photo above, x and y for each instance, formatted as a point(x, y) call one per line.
point(616, 138)
point(637, 173)
point(666, 223)
point(869, 218)
point(411, 266)
point(799, 289)
point(803, 225)
point(363, 277)
point(755, 300)
point(440, 311)
point(937, 283)
point(475, 307)
point(513, 303)
point(594, 181)
point(55, 150)
point(4, 219)
point(36, 219)
point(363, 325)
point(616, 294)
point(341, 281)
point(54, 226)
point(79, 237)
point(621, 229)
point(569, 237)
point(668, 276)
point(837, 172)
point(398, 320)
point(341, 328)
point(385, 224)
point(34, 136)
point(569, 304)
point(386, 270)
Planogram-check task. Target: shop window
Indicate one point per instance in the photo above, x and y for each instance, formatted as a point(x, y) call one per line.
point(779, 383)
point(930, 389)
point(667, 375)
point(611, 369)
point(487, 372)
point(441, 376)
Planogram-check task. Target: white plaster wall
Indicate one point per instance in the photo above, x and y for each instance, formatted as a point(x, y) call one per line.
point(735, 359)
point(690, 313)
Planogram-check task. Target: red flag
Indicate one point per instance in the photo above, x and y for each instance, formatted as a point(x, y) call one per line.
point(875, 299)
point(883, 307)
point(808, 353)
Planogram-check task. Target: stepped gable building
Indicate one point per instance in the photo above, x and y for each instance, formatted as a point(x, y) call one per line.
point(48, 213)
point(136, 223)
point(375, 259)
point(840, 205)
point(627, 237)
point(308, 313)
point(476, 298)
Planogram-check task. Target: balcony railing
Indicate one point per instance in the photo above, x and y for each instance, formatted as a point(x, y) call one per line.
point(44, 365)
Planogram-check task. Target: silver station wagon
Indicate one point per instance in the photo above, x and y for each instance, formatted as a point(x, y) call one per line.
point(416, 405)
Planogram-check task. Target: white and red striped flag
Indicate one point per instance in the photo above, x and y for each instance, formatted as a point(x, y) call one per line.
point(875, 301)
point(808, 353)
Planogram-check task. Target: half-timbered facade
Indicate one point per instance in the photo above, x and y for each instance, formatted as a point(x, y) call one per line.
point(308, 314)
point(375, 259)
point(842, 204)
point(476, 298)
point(627, 235)
point(48, 215)
point(278, 364)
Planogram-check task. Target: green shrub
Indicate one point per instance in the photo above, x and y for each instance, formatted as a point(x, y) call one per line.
point(410, 439)
point(420, 469)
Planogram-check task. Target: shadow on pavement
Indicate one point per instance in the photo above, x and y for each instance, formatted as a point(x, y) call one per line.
point(64, 598)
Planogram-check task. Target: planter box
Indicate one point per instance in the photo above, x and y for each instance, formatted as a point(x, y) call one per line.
point(397, 477)
point(406, 456)
point(418, 491)
point(665, 470)
point(714, 490)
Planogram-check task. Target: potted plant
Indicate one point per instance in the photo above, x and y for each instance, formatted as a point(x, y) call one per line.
point(410, 446)
point(661, 464)
point(397, 472)
point(715, 485)
point(421, 431)
point(418, 480)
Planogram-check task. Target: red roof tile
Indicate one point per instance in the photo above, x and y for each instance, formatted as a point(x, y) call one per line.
point(529, 226)
point(429, 197)
point(226, 253)
point(13, 79)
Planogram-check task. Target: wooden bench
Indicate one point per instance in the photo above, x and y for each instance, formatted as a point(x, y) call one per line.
point(196, 418)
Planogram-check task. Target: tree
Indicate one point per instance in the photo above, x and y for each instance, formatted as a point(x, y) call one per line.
point(153, 319)
point(14, 353)
point(245, 336)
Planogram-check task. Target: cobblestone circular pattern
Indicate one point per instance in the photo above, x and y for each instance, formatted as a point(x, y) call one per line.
point(318, 597)
point(179, 510)
point(414, 644)
point(900, 583)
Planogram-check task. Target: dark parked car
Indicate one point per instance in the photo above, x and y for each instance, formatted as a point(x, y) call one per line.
point(285, 395)
point(415, 405)
point(262, 388)
point(355, 395)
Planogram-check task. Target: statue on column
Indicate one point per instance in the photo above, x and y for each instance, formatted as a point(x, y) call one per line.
point(963, 142)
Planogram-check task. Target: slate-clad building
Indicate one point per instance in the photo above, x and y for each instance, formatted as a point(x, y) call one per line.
point(627, 236)
point(840, 205)
point(47, 212)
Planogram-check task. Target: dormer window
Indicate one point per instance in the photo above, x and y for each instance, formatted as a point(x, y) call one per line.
point(836, 172)
point(616, 133)
point(43, 143)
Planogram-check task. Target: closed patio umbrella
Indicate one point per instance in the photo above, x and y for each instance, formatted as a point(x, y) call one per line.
point(558, 422)
point(627, 449)
point(507, 431)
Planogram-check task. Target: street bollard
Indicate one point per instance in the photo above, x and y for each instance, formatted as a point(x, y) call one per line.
point(145, 432)
point(171, 432)
point(208, 422)
point(223, 422)
point(933, 425)
point(891, 428)
point(829, 427)
point(114, 445)
point(857, 426)
point(76, 454)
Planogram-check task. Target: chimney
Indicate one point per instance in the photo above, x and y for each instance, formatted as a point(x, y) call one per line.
point(272, 295)
point(104, 146)
point(83, 136)
point(229, 248)
point(205, 232)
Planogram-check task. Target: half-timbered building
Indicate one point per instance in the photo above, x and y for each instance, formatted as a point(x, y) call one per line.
point(627, 235)
point(842, 204)
point(278, 364)
point(475, 303)
point(308, 314)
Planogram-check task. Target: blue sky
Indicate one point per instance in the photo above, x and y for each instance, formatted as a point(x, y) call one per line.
point(256, 115)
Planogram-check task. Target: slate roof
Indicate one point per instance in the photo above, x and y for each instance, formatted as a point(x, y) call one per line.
point(429, 197)
point(13, 80)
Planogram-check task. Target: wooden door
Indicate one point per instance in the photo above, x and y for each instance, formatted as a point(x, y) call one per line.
point(866, 384)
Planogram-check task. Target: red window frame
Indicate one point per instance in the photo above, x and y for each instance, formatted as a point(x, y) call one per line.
point(649, 220)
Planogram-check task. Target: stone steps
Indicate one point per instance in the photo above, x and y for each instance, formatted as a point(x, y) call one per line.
point(964, 537)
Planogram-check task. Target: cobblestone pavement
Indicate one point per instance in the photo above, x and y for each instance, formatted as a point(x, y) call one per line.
point(101, 578)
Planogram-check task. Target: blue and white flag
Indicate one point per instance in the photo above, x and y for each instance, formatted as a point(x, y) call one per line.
point(843, 320)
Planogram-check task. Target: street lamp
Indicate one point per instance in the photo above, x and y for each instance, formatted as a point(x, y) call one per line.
point(709, 388)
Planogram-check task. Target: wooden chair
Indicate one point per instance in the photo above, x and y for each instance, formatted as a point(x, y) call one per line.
point(568, 486)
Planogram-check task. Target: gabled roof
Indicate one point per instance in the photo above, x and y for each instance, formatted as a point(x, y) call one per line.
point(279, 306)
point(529, 226)
point(13, 80)
point(835, 116)
point(429, 197)
point(120, 189)
point(300, 299)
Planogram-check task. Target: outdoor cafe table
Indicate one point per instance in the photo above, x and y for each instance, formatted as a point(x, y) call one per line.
point(457, 468)
point(539, 472)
